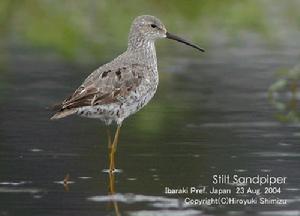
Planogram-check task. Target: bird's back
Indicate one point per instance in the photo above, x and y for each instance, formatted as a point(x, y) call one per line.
point(124, 83)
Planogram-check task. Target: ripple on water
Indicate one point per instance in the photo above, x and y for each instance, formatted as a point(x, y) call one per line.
point(63, 182)
point(36, 150)
point(280, 213)
point(293, 200)
point(296, 134)
point(15, 183)
point(292, 189)
point(155, 201)
point(240, 170)
point(238, 124)
point(129, 197)
point(85, 177)
point(187, 212)
point(284, 144)
point(131, 179)
point(115, 171)
point(276, 154)
point(19, 190)
point(265, 170)
point(15, 187)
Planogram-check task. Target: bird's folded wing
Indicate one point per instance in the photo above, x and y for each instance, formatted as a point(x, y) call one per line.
point(104, 87)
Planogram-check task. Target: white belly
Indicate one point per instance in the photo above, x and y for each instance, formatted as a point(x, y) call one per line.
point(118, 111)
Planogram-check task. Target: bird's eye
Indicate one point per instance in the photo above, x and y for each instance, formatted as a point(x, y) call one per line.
point(153, 26)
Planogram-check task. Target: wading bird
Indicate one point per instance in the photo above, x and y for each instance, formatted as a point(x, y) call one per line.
point(123, 86)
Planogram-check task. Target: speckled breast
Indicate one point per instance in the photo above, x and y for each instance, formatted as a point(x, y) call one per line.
point(118, 111)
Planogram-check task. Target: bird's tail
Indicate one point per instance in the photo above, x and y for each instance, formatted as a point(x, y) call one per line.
point(63, 113)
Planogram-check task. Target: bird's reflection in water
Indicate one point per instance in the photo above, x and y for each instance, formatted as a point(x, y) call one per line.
point(112, 193)
point(112, 145)
point(66, 182)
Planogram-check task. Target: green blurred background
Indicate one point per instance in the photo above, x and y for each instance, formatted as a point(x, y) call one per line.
point(87, 30)
point(92, 32)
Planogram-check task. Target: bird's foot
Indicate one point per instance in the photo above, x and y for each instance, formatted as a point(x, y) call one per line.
point(66, 182)
point(112, 171)
point(66, 179)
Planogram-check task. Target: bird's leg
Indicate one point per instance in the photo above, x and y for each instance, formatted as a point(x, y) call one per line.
point(109, 138)
point(111, 191)
point(66, 182)
point(116, 138)
point(110, 147)
point(113, 149)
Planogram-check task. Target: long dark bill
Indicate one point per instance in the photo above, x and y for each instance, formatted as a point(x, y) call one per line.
point(174, 37)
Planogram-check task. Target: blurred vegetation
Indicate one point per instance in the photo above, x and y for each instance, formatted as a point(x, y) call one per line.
point(284, 94)
point(88, 29)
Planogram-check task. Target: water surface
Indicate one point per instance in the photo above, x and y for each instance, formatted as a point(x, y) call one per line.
point(211, 115)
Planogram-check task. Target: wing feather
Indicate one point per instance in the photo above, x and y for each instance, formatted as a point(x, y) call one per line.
point(105, 87)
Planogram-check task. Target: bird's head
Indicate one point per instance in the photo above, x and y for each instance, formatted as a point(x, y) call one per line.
point(150, 28)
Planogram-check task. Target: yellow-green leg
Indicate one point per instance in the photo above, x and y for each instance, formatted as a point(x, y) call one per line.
point(114, 149)
point(109, 138)
point(111, 191)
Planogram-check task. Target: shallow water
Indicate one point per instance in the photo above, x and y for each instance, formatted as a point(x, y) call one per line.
point(211, 115)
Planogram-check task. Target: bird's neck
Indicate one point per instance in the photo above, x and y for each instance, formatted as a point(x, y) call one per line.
point(143, 50)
